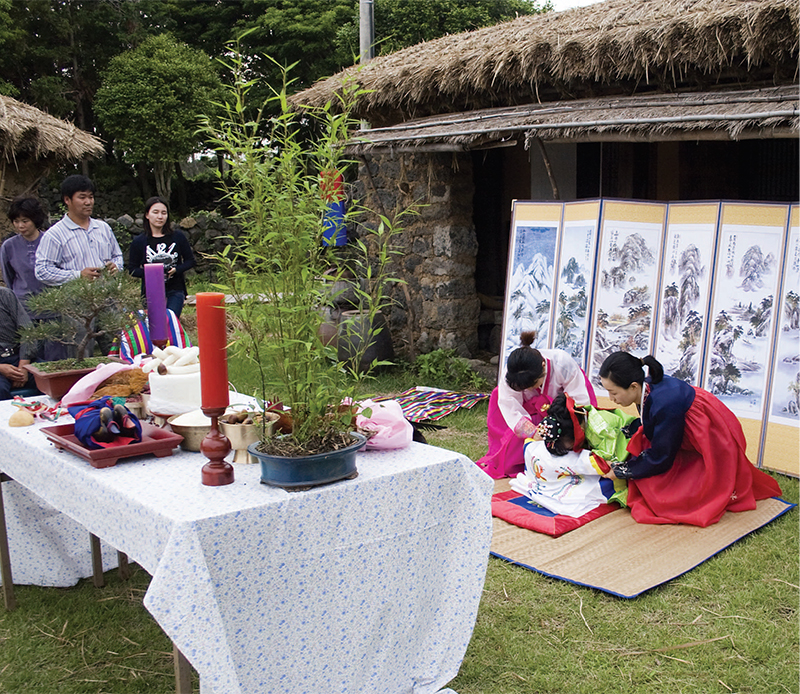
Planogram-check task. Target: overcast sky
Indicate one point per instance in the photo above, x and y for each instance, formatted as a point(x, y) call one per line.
point(559, 5)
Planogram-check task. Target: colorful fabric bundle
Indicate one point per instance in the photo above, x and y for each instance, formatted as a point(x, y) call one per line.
point(102, 424)
point(569, 484)
point(136, 340)
point(420, 403)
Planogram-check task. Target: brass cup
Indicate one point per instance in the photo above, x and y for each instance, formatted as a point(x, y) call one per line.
point(242, 435)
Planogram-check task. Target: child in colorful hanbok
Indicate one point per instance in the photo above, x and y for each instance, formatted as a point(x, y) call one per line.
point(566, 460)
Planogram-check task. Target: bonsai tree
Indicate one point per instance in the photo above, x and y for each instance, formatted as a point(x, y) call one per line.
point(274, 269)
point(83, 310)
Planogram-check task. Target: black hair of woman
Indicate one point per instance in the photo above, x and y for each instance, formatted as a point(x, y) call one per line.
point(525, 364)
point(167, 229)
point(27, 206)
point(558, 427)
point(625, 369)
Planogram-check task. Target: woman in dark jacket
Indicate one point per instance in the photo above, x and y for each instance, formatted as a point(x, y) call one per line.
point(159, 243)
point(688, 463)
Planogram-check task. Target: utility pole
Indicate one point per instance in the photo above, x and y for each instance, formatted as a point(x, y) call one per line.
point(366, 30)
point(366, 36)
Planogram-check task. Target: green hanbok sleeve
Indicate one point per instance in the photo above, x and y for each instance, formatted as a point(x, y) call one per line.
point(604, 434)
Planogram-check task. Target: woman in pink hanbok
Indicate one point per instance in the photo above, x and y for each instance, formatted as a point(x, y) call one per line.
point(529, 382)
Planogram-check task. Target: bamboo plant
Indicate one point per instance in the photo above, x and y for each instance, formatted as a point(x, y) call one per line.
point(273, 269)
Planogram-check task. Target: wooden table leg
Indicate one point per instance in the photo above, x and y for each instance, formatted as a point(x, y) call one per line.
point(5, 557)
point(97, 561)
point(124, 569)
point(183, 672)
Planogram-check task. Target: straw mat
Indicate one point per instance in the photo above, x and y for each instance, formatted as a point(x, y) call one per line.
point(617, 555)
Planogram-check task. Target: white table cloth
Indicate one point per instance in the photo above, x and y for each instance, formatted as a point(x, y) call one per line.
point(366, 585)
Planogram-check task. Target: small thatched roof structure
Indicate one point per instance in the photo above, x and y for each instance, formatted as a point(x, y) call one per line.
point(26, 132)
point(616, 47)
point(728, 115)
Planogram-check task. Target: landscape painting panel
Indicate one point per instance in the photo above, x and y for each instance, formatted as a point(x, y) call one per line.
point(785, 406)
point(746, 282)
point(683, 310)
point(529, 294)
point(626, 282)
point(574, 286)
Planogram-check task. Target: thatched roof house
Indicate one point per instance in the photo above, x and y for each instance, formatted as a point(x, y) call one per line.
point(616, 47)
point(649, 99)
point(33, 142)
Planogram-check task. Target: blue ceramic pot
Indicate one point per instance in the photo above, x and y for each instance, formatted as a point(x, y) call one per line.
point(310, 470)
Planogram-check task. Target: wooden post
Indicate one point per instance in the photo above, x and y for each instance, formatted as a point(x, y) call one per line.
point(97, 561)
point(5, 558)
point(183, 672)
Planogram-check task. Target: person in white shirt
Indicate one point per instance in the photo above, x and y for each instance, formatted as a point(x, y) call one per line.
point(530, 381)
point(77, 245)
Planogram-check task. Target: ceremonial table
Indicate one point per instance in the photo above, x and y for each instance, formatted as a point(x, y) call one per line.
point(366, 585)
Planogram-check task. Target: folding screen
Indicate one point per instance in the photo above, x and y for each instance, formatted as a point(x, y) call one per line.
point(710, 288)
point(626, 281)
point(529, 285)
point(746, 284)
point(781, 448)
point(687, 269)
point(575, 278)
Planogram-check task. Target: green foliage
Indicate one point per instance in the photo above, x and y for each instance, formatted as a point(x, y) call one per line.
point(99, 307)
point(403, 23)
point(275, 270)
point(443, 368)
point(150, 100)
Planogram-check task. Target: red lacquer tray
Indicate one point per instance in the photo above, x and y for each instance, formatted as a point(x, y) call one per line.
point(159, 442)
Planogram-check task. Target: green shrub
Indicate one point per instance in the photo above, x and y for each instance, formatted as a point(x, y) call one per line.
point(443, 368)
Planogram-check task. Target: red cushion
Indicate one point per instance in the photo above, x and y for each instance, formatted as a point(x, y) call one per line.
point(517, 509)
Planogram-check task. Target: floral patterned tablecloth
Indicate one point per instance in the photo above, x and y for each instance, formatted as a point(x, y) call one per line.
point(366, 585)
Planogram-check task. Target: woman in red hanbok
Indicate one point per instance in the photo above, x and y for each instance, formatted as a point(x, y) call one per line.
point(688, 463)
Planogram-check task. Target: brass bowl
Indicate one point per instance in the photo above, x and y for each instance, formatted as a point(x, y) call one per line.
point(242, 435)
point(193, 434)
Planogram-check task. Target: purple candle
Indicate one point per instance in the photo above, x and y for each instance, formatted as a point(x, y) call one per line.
point(156, 300)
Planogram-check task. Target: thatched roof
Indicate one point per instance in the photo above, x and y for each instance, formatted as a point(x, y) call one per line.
point(614, 47)
point(730, 115)
point(27, 132)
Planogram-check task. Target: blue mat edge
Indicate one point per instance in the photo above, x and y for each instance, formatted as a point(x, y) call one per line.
point(789, 507)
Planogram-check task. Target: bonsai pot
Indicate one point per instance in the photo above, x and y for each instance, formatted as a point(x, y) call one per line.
point(311, 470)
point(57, 383)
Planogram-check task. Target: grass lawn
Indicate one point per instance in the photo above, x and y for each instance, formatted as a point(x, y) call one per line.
point(731, 625)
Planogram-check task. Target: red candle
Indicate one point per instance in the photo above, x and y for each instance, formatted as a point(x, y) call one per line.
point(212, 339)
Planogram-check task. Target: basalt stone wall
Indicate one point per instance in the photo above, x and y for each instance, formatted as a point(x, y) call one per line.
point(438, 306)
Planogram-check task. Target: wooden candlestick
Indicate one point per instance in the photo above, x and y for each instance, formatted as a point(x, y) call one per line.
point(215, 446)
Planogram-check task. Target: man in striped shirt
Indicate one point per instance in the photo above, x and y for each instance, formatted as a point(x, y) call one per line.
point(77, 245)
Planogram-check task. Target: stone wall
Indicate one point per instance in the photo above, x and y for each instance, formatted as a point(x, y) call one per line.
point(438, 306)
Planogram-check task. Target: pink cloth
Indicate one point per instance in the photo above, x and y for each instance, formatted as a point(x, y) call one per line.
point(83, 389)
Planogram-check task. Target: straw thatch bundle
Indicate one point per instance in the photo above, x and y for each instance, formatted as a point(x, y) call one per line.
point(26, 132)
point(612, 47)
point(728, 115)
